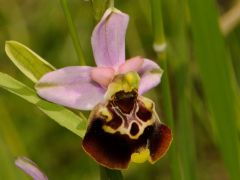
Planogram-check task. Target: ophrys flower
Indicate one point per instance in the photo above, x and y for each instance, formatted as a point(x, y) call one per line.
point(123, 125)
point(83, 87)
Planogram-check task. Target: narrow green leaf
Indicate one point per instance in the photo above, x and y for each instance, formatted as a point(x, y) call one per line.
point(159, 41)
point(180, 60)
point(31, 64)
point(8, 169)
point(9, 132)
point(73, 32)
point(217, 77)
point(61, 115)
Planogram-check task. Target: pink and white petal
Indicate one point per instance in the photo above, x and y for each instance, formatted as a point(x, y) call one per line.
point(30, 168)
point(71, 87)
point(150, 74)
point(102, 75)
point(108, 39)
point(133, 64)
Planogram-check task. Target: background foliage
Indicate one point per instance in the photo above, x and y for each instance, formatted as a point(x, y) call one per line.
point(203, 67)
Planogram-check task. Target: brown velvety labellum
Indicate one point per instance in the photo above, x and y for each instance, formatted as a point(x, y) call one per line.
point(112, 150)
point(124, 125)
point(143, 113)
point(160, 139)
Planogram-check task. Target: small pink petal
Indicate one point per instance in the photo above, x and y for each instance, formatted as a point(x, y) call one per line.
point(133, 64)
point(108, 39)
point(150, 74)
point(30, 168)
point(102, 75)
point(71, 87)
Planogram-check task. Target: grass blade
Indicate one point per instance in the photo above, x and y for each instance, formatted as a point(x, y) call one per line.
point(73, 32)
point(217, 77)
point(180, 59)
point(159, 47)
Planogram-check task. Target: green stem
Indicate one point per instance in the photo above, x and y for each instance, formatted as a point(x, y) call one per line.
point(109, 174)
point(218, 80)
point(157, 23)
point(183, 92)
point(159, 47)
point(99, 7)
point(168, 112)
point(73, 32)
point(111, 3)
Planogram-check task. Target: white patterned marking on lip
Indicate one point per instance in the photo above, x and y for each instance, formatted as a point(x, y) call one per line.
point(129, 119)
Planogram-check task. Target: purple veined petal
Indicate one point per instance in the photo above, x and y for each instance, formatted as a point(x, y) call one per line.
point(133, 64)
point(30, 168)
point(71, 87)
point(150, 74)
point(108, 39)
point(102, 75)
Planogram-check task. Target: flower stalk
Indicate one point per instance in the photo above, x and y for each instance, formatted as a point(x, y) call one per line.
point(111, 3)
point(159, 46)
point(99, 7)
point(73, 32)
point(109, 174)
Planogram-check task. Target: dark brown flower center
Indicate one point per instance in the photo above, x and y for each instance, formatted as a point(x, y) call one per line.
point(125, 100)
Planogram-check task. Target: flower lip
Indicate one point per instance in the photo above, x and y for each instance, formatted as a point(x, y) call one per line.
point(133, 140)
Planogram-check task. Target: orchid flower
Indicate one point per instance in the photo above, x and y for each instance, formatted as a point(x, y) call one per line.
point(30, 168)
point(83, 87)
point(123, 125)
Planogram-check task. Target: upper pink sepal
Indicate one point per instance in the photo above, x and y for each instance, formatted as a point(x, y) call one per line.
point(108, 39)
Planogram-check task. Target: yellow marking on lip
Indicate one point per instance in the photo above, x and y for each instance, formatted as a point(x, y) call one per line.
point(147, 103)
point(140, 157)
point(109, 129)
point(105, 112)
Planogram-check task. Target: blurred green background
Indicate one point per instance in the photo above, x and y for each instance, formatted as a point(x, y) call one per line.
point(203, 71)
